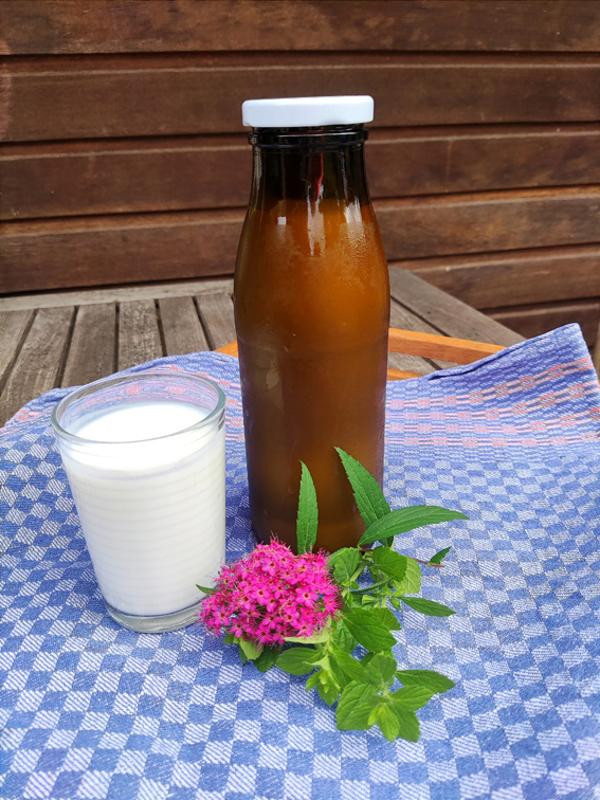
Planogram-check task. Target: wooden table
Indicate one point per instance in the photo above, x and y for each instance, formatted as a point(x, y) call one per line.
point(69, 338)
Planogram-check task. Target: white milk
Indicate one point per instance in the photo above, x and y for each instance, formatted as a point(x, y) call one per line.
point(153, 512)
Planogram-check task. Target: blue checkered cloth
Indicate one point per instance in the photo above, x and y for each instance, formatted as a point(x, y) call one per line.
point(91, 710)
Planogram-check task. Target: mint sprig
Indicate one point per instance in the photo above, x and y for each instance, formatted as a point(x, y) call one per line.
point(351, 661)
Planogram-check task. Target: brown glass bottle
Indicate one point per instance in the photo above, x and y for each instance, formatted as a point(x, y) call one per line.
point(312, 313)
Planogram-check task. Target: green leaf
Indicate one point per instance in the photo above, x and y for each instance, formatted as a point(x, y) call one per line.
point(344, 563)
point(317, 638)
point(411, 582)
point(266, 659)
point(439, 556)
point(355, 706)
point(411, 698)
point(297, 660)
point(370, 500)
point(250, 649)
point(428, 678)
point(407, 519)
point(307, 520)
point(368, 629)
point(312, 682)
point(409, 724)
point(206, 589)
point(384, 667)
point(388, 721)
point(342, 637)
point(429, 607)
point(387, 618)
point(328, 693)
point(353, 668)
point(389, 562)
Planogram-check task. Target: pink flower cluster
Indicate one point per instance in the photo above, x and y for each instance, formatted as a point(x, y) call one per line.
point(272, 594)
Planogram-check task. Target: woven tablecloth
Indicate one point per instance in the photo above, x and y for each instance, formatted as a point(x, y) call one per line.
point(91, 710)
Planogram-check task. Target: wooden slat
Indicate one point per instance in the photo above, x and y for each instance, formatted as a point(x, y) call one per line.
point(489, 222)
point(115, 294)
point(45, 255)
point(13, 327)
point(181, 326)
point(109, 26)
point(132, 249)
point(446, 314)
point(92, 349)
point(216, 311)
point(194, 94)
point(474, 159)
point(53, 180)
point(39, 363)
point(525, 276)
point(533, 321)
point(139, 337)
point(400, 317)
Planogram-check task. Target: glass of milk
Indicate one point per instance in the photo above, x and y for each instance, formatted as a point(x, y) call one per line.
point(145, 459)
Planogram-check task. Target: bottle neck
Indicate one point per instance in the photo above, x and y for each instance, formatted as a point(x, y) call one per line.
point(309, 164)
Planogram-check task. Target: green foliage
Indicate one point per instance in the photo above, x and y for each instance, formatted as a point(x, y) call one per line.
point(307, 520)
point(343, 564)
point(206, 589)
point(266, 659)
point(369, 688)
point(412, 697)
point(439, 556)
point(355, 706)
point(406, 519)
point(427, 678)
point(370, 500)
point(297, 660)
point(369, 629)
point(249, 649)
point(429, 607)
point(390, 562)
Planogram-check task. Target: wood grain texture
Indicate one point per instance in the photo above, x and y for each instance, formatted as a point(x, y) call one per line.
point(115, 294)
point(181, 326)
point(39, 363)
point(534, 321)
point(527, 276)
point(188, 96)
point(431, 345)
point(57, 180)
point(401, 317)
point(47, 255)
point(139, 336)
point(13, 327)
point(129, 249)
point(113, 26)
point(216, 311)
point(91, 353)
point(445, 314)
point(489, 222)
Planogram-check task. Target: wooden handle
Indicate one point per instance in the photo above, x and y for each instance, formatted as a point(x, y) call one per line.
point(433, 345)
point(416, 343)
point(230, 349)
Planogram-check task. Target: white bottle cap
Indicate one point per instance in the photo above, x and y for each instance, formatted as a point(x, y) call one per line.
point(306, 112)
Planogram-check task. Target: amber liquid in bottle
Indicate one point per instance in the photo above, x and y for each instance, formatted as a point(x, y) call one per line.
point(312, 312)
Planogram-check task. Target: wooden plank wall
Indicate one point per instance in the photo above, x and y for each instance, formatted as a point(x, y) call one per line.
point(124, 159)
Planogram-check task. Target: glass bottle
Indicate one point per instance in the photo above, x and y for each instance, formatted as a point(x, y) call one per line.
point(311, 301)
